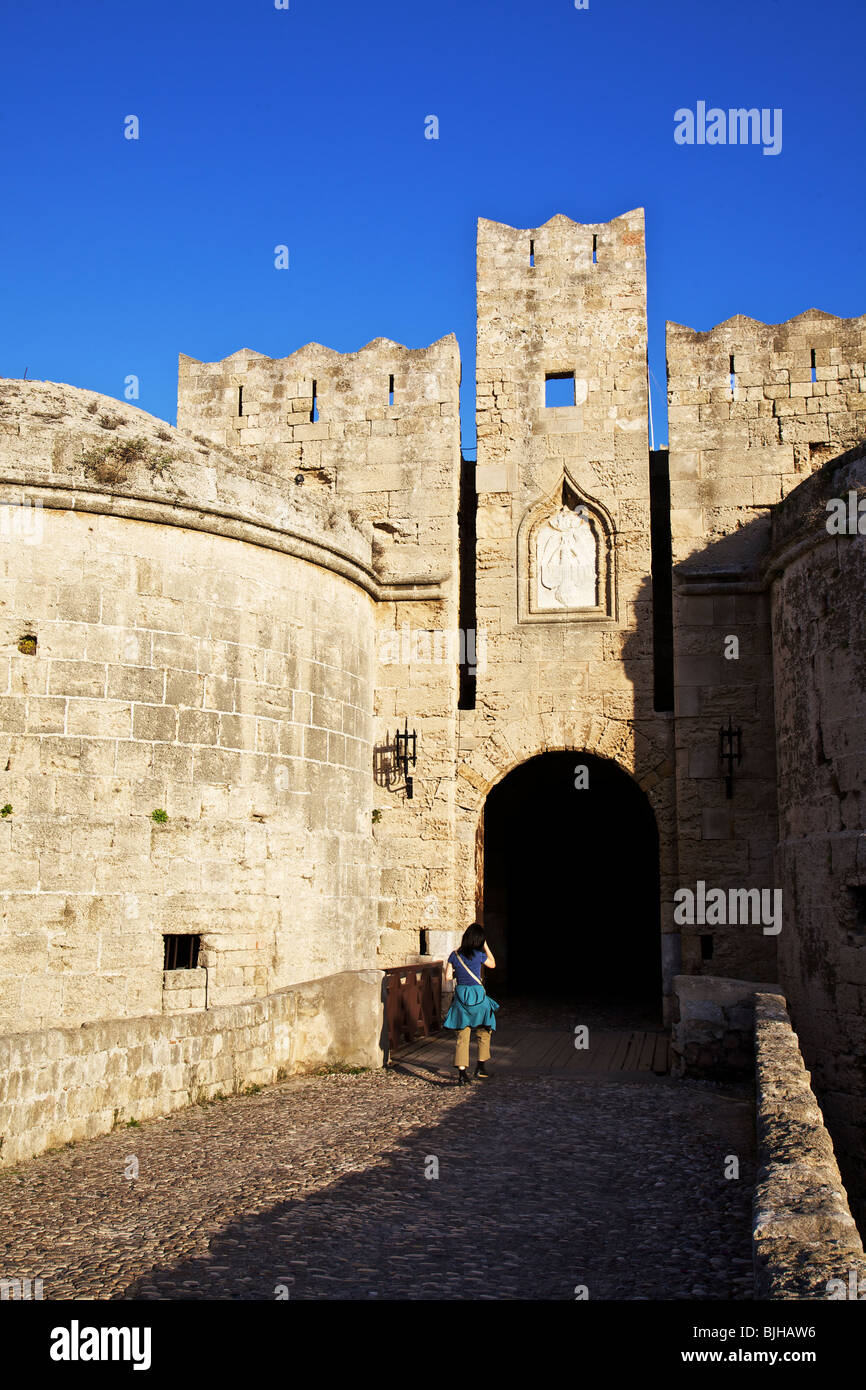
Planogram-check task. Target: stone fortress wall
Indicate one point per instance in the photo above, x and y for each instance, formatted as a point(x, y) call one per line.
point(232, 620)
point(819, 668)
point(61, 1085)
point(756, 453)
point(385, 444)
point(754, 409)
point(203, 647)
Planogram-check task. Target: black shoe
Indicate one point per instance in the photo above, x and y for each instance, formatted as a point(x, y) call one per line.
point(463, 1077)
point(481, 1069)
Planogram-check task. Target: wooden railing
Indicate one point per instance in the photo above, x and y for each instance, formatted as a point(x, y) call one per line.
point(413, 1002)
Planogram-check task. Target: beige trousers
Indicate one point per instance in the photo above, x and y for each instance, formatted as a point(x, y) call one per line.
point(461, 1058)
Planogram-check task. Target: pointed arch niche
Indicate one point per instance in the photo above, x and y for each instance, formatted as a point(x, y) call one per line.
point(566, 559)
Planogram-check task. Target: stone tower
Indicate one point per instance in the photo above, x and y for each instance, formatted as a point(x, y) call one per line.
point(564, 563)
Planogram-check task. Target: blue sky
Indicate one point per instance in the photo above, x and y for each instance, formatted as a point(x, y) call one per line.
point(305, 127)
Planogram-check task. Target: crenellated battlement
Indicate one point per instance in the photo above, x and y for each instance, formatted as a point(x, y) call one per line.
point(582, 247)
point(811, 342)
point(379, 427)
point(754, 408)
point(317, 395)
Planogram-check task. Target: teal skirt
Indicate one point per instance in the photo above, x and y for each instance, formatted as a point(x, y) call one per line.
point(471, 1007)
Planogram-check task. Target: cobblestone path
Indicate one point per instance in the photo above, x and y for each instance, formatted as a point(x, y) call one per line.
point(319, 1185)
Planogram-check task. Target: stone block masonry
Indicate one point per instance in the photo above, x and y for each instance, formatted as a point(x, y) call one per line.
point(385, 439)
point(805, 1241)
point(375, 433)
point(806, 1244)
point(60, 1085)
point(713, 1032)
point(754, 410)
point(817, 584)
point(204, 649)
point(564, 300)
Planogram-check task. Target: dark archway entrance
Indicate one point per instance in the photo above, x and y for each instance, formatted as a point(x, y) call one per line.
point(571, 885)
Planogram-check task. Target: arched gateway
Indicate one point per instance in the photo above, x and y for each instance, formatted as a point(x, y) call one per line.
point(569, 882)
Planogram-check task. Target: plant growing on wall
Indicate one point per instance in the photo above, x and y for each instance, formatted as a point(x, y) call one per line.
point(110, 463)
point(27, 644)
point(6, 810)
point(159, 816)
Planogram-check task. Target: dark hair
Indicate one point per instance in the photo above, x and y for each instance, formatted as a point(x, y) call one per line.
point(473, 940)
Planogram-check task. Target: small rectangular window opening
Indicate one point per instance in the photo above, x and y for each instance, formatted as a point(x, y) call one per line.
point(595, 249)
point(814, 366)
point(181, 952)
point(391, 390)
point(240, 400)
point(706, 948)
point(733, 372)
point(858, 899)
point(532, 253)
point(559, 389)
point(424, 942)
point(314, 413)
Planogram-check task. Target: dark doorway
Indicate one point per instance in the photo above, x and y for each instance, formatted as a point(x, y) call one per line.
point(571, 884)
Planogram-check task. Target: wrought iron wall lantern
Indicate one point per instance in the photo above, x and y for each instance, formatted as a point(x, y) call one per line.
point(730, 751)
point(406, 746)
point(391, 761)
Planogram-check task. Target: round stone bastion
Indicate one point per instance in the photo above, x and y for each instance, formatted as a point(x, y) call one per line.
point(186, 667)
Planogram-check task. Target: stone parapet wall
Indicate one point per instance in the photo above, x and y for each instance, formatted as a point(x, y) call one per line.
point(713, 1027)
point(806, 1244)
point(99, 455)
point(62, 1085)
point(818, 580)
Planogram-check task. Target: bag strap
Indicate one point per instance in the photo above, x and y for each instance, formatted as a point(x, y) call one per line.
point(466, 967)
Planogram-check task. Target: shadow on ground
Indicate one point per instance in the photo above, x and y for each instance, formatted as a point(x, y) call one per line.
point(543, 1186)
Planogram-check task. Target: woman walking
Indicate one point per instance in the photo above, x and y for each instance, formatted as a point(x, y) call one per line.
point(471, 1006)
